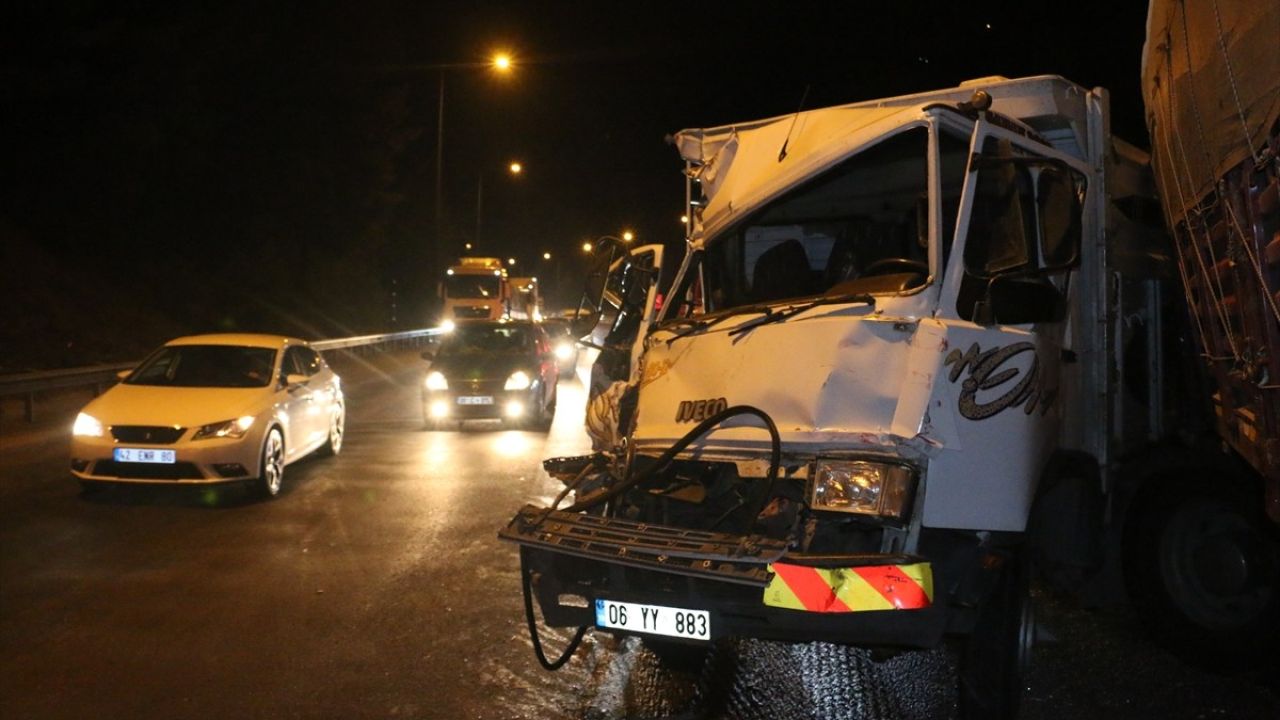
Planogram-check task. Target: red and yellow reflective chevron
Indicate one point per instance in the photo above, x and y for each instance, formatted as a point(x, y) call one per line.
point(855, 589)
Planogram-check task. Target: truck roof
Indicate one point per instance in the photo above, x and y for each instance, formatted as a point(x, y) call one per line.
point(815, 140)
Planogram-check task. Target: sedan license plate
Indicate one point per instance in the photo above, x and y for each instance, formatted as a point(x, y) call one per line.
point(475, 399)
point(138, 455)
point(654, 619)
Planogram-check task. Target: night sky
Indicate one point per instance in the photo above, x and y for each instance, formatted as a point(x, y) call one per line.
point(174, 168)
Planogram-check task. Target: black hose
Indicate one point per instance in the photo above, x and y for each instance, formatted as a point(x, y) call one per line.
point(775, 457)
point(526, 580)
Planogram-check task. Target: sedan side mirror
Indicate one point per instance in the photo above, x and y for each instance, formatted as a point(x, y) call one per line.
point(295, 379)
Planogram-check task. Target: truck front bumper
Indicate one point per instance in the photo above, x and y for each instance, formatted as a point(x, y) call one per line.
point(573, 559)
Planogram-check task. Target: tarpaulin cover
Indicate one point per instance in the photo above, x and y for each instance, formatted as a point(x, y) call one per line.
point(1211, 82)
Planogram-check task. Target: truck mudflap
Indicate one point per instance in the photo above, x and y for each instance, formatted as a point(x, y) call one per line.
point(751, 584)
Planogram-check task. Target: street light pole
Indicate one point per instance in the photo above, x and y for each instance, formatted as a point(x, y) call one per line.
point(441, 256)
point(501, 63)
point(514, 169)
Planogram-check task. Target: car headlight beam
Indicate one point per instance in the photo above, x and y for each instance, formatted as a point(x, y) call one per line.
point(862, 487)
point(436, 381)
point(519, 380)
point(87, 426)
point(233, 429)
point(564, 351)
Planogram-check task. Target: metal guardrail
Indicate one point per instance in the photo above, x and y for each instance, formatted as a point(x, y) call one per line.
point(29, 384)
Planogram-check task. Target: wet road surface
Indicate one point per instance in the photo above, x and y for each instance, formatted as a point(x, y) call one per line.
point(375, 587)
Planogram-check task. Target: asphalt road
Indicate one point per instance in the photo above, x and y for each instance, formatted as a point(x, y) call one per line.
point(374, 587)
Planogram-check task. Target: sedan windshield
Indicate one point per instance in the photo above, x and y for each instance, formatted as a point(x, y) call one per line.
point(230, 366)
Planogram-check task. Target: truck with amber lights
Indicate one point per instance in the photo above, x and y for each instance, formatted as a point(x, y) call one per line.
point(477, 288)
point(910, 347)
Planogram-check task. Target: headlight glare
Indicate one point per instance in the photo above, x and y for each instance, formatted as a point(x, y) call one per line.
point(435, 381)
point(564, 351)
point(87, 426)
point(862, 487)
point(519, 380)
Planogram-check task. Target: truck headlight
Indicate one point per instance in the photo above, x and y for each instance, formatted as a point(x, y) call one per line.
point(519, 380)
point(435, 381)
point(862, 487)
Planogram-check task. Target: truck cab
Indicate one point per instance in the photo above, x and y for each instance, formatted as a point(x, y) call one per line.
point(475, 289)
point(889, 323)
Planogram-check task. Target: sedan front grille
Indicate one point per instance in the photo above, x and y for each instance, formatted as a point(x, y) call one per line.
point(152, 434)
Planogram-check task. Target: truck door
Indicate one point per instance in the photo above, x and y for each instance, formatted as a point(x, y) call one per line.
point(1005, 306)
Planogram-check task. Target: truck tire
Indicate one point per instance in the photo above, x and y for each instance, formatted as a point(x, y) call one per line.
point(994, 657)
point(1202, 566)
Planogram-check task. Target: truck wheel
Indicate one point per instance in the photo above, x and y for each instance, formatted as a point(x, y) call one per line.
point(994, 657)
point(1202, 569)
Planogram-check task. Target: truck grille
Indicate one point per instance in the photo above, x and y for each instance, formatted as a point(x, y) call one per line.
point(696, 553)
point(151, 434)
point(469, 313)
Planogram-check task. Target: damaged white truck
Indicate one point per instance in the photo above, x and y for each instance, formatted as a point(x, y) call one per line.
point(912, 344)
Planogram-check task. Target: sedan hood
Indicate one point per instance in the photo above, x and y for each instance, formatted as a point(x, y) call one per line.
point(481, 366)
point(178, 406)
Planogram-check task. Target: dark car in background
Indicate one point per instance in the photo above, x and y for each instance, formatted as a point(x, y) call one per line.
point(563, 343)
point(501, 369)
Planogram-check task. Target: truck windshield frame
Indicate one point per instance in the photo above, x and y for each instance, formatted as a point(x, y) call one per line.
point(473, 287)
point(872, 211)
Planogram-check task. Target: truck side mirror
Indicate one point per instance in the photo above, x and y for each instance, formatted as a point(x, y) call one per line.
point(1020, 301)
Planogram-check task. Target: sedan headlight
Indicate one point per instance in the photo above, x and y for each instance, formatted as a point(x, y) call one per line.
point(234, 429)
point(435, 381)
point(87, 426)
point(862, 487)
point(519, 380)
point(564, 351)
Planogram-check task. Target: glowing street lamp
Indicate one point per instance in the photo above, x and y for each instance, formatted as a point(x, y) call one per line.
point(586, 247)
point(546, 256)
point(511, 261)
point(628, 236)
point(501, 64)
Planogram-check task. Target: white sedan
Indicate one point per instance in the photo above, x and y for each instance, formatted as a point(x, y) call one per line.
point(211, 409)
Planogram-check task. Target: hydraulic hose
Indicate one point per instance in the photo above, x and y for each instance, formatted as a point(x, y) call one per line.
point(526, 576)
point(526, 580)
point(775, 455)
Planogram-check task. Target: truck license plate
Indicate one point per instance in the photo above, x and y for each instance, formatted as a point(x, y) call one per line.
point(654, 619)
point(138, 455)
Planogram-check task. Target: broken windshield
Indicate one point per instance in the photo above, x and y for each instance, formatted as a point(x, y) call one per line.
point(860, 228)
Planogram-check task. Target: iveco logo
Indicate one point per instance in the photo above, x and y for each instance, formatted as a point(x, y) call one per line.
point(699, 410)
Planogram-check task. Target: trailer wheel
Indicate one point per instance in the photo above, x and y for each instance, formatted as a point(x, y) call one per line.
point(1202, 568)
point(995, 656)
